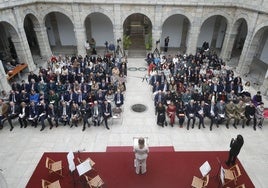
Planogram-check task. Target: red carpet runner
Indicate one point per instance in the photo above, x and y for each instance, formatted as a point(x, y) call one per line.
point(164, 169)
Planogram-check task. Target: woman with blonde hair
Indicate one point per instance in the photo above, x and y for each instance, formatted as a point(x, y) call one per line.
point(141, 154)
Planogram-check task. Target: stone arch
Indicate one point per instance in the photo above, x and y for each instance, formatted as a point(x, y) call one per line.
point(136, 10)
point(172, 25)
point(60, 31)
point(108, 13)
point(256, 63)
point(138, 27)
point(52, 9)
point(100, 27)
point(213, 35)
point(167, 14)
point(10, 43)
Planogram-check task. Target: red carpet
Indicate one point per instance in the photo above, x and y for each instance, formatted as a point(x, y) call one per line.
point(265, 113)
point(164, 169)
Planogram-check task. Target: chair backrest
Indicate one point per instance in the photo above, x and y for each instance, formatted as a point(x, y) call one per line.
point(206, 180)
point(241, 186)
point(236, 171)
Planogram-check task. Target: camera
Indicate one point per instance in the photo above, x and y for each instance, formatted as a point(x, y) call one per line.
point(118, 40)
point(158, 41)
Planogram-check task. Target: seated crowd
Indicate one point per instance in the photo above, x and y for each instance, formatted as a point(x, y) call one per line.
point(69, 90)
point(200, 86)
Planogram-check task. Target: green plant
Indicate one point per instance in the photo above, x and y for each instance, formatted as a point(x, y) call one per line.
point(126, 42)
point(149, 42)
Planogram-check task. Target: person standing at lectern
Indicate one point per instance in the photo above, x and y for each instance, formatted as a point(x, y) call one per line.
point(141, 154)
point(236, 145)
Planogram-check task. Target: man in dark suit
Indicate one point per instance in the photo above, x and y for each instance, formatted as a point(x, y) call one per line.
point(250, 111)
point(118, 98)
point(42, 113)
point(33, 114)
point(96, 112)
point(52, 115)
point(14, 97)
point(191, 113)
point(201, 113)
point(212, 113)
point(13, 112)
point(64, 113)
point(86, 113)
point(106, 112)
point(23, 114)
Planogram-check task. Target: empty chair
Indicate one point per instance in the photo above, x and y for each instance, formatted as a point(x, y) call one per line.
point(200, 182)
point(54, 166)
point(47, 184)
point(232, 174)
point(95, 182)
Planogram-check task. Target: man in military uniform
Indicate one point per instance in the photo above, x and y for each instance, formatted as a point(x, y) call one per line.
point(230, 113)
point(240, 113)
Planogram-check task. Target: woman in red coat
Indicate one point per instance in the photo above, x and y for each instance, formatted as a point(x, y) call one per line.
point(171, 113)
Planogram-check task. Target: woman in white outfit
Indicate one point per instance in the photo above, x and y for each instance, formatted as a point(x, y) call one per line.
point(141, 154)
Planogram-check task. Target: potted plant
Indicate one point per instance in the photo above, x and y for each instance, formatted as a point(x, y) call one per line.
point(126, 43)
point(149, 43)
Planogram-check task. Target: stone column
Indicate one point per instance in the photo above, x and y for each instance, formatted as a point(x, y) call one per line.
point(80, 40)
point(194, 31)
point(43, 41)
point(228, 43)
point(79, 29)
point(185, 28)
point(192, 38)
point(118, 27)
point(247, 54)
point(21, 43)
point(4, 85)
point(157, 29)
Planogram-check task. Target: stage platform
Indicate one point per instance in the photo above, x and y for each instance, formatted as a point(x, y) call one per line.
point(164, 169)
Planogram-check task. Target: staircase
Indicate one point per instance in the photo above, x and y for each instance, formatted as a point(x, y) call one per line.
point(137, 48)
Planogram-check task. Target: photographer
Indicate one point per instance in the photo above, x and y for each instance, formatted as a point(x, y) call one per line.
point(236, 145)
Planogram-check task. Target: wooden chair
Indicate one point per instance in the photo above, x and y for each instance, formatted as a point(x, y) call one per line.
point(47, 184)
point(200, 183)
point(232, 174)
point(54, 166)
point(239, 186)
point(95, 182)
point(117, 114)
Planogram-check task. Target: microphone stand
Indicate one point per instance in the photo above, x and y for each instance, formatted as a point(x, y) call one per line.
point(218, 172)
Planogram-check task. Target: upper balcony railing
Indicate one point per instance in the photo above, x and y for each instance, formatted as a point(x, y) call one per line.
point(255, 5)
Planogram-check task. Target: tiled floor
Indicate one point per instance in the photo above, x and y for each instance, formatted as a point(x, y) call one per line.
point(21, 149)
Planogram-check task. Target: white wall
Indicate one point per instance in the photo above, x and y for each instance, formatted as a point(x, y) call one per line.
point(101, 29)
point(50, 33)
point(172, 27)
point(66, 30)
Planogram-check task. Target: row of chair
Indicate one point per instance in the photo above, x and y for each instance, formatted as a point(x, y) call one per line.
point(230, 175)
point(56, 167)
